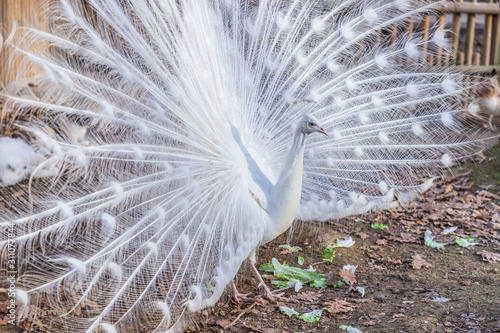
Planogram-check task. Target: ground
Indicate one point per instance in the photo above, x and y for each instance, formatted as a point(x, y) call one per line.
point(409, 287)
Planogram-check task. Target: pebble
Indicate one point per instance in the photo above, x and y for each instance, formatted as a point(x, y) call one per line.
point(402, 311)
point(380, 298)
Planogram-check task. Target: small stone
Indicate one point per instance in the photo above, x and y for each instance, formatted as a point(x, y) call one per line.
point(380, 298)
point(447, 324)
point(402, 311)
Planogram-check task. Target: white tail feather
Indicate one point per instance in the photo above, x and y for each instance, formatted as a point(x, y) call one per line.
point(184, 110)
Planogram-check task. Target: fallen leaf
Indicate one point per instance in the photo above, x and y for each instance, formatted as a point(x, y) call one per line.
point(309, 296)
point(407, 238)
point(381, 242)
point(418, 262)
point(369, 323)
point(347, 274)
point(448, 189)
point(489, 256)
point(466, 282)
point(339, 306)
point(223, 322)
point(362, 235)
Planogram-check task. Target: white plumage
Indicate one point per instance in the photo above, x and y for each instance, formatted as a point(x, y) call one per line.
point(193, 154)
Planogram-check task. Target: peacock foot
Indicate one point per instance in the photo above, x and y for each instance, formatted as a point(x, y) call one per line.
point(243, 298)
point(268, 295)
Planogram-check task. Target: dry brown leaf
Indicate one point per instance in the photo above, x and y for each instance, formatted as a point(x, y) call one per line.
point(489, 256)
point(339, 306)
point(381, 242)
point(348, 276)
point(309, 296)
point(496, 217)
point(362, 235)
point(466, 282)
point(394, 261)
point(418, 262)
point(407, 238)
point(223, 322)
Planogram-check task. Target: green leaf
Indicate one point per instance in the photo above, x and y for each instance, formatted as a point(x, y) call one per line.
point(295, 274)
point(291, 248)
point(311, 317)
point(339, 284)
point(469, 241)
point(349, 329)
point(300, 260)
point(328, 253)
point(267, 267)
point(288, 311)
point(380, 226)
point(429, 241)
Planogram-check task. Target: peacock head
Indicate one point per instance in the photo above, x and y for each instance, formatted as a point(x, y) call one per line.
point(310, 125)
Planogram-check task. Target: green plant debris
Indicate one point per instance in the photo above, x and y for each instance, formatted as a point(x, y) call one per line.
point(449, 230)
point(380, 226)
point(311, 317)
point(291, 248)
point(345, 243)
point(360, 290)
point(464, 242)
point(300, 260)
point(328, 253)
point(288, 311)
point(429, 241)
point(349, 329)
point(291, 275)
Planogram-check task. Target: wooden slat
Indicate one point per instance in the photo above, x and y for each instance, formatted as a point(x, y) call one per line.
point(455, 29)
point(440, 22)
point(26, 13)
point(471, 8)
point(488, 25)
point(476, 59)
point(495, 47)
point(425, 28)
point(469, 37)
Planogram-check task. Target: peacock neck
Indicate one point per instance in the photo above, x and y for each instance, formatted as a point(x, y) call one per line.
point(284, 199)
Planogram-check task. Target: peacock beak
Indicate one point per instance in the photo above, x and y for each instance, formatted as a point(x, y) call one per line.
point(321, 130)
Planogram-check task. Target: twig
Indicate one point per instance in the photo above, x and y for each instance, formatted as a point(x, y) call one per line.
point(239, 316)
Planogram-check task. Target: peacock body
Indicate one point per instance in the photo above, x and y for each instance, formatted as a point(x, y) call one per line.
point(192, 119)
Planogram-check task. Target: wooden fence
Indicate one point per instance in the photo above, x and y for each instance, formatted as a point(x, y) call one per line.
point(474, 25)
point(475, 28)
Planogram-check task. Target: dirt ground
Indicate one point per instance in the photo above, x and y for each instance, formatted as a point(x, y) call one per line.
point(451, 290)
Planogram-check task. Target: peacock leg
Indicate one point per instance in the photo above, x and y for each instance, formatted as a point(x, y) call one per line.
point(268, 295)
point(242, 298)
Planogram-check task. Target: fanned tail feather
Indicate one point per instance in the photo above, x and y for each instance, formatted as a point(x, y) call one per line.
point(152, 211)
